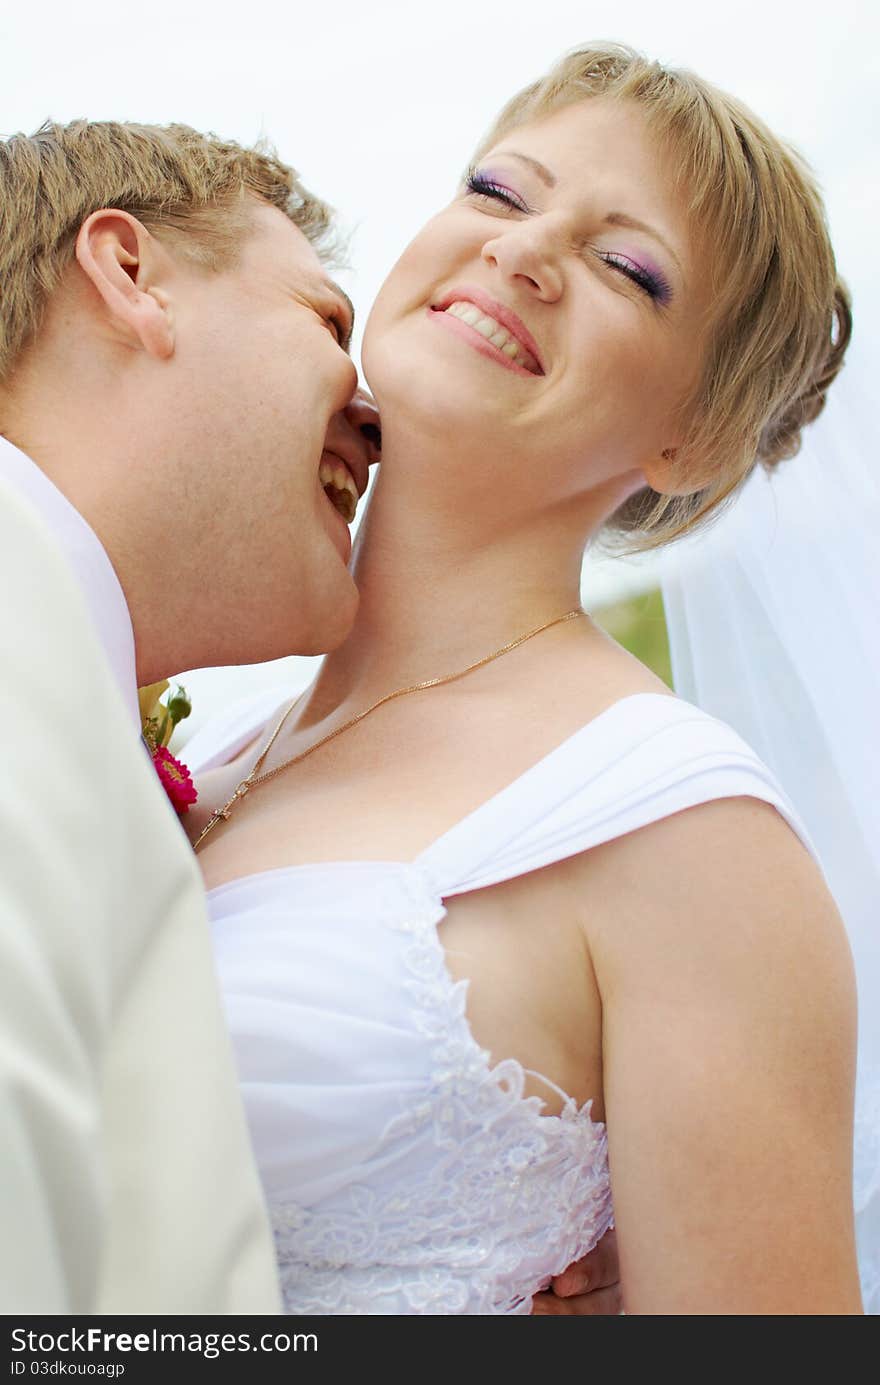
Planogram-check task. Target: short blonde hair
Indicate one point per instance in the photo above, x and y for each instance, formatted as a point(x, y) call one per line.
point(185, 185)
point(780, 318)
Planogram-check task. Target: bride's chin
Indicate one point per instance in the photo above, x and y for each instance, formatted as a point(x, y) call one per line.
point(420, 409)
point(411, 383)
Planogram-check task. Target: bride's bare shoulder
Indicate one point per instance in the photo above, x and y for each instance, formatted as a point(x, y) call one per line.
point(581, 676)
point(728, 877)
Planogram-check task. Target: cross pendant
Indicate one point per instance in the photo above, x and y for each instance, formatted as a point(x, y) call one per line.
point(221, 814)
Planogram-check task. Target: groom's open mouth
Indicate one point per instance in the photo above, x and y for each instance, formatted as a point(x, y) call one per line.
point(344, 471)
point(339, 486)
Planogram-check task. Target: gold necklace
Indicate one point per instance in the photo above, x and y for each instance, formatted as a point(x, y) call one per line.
point(255, 779)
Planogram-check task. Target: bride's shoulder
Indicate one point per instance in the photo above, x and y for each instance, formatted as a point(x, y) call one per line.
point(676, 786)
point(723, 889)
point(579, 679)
point(595, 664)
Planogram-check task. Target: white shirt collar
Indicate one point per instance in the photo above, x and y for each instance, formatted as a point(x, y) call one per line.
point(89, 562)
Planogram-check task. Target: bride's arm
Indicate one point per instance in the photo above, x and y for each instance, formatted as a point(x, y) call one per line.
point(728, 1059)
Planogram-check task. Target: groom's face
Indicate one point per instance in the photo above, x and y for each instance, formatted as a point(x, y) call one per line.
point(261, 370)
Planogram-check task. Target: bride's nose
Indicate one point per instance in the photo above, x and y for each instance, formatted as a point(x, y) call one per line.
point(525, 255)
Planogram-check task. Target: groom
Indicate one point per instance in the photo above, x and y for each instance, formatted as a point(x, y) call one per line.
point(173, 362)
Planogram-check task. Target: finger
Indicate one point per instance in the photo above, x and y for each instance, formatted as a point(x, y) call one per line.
point(600, 1303)
point(598, 1270)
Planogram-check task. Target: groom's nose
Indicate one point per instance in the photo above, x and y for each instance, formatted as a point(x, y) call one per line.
point(363, 416)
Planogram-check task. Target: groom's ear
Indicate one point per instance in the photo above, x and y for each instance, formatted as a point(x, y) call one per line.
point(129, 269)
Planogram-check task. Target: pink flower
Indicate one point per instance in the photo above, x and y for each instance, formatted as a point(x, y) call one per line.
point(176, 779)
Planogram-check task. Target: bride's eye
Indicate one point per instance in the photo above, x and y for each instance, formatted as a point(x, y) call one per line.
point(651, 281)
point(482, 186)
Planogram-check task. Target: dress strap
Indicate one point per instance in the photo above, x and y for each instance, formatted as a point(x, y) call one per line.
point(644, 758)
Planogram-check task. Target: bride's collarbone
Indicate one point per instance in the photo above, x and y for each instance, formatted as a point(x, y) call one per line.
point(389, 787)
point(387, 794)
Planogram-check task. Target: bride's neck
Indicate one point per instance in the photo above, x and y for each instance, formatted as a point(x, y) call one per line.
point(444, 584)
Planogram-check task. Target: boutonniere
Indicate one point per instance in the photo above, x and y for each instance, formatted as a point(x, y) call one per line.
point(158, 720)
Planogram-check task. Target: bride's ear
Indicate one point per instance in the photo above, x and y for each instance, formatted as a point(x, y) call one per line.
point(128, 268)
point(659, 471)
point(669, 474)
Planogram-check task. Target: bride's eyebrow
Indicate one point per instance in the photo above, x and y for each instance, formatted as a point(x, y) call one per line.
point(631, 224)
point(543, 172)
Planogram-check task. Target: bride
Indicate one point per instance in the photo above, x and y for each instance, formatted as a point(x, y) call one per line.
point(499, 920)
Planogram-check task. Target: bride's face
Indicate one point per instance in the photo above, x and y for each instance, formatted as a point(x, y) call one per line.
point(549, 320)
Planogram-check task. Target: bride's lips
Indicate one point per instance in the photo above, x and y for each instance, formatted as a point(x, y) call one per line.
point(504, 316)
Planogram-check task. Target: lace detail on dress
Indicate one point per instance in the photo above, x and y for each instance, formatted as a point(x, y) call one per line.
point(482, 1197)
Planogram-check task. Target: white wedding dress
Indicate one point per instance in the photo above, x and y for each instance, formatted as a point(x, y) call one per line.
point(404, 1170)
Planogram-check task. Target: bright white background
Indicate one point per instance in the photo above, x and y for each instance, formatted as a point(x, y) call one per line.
point(379, 104)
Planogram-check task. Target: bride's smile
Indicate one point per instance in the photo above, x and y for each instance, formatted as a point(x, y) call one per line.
point(490, 328)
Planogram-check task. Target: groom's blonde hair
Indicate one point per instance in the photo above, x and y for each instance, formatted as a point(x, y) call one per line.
point(780, 317)
point(192, 188)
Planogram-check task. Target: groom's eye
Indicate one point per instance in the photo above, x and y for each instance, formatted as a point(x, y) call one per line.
point(333, 317)
point(343, 327)
point(337, 320)
point(340, 314)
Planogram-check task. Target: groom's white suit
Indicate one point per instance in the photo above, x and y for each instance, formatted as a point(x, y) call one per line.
point(126, 1177)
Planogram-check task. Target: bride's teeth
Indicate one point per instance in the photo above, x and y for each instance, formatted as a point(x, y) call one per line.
point(494, 333)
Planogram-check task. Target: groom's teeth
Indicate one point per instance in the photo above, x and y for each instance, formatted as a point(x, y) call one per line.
point(494, 333)
point(340, 489)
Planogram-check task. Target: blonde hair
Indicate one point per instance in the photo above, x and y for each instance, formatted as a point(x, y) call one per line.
point(780, 319)
point(181, 184)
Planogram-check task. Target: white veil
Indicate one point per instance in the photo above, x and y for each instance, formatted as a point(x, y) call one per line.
point(774, 626)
